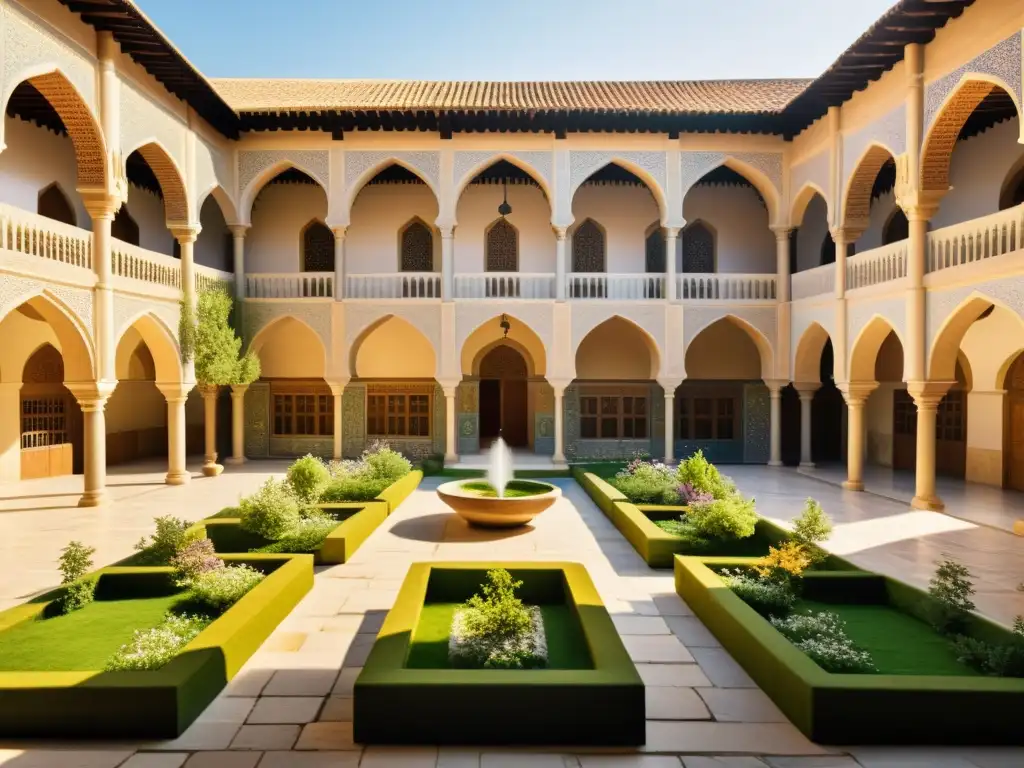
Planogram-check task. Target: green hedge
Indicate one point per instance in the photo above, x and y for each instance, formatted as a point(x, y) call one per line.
point(600, 706)
point(161, 703)
point(854, 709)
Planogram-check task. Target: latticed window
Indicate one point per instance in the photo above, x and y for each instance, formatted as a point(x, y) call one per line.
point(43, 421)
point(613, 417)
point(950, 421)
point(317, 248)
point(502, 247)
point(588, 248)
point(398, 415)
point(417, 248)
point(706, 418)
point(904, 413)
point(655, 251)
point(303, 410)
point(698, 249)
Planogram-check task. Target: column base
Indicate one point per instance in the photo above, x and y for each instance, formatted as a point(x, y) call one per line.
point(94, 498)
point(235, 460)
point(808, 464)
point(212, 469)
point(451, 458)
point(853, 485)
point(931, 503)
point(177, 478)
point(774, 463)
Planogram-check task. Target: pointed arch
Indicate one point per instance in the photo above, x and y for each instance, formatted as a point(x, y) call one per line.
point(865, 348)
point(501, 246)
point(651, 344)
point(416, 246)
point(758, 179)
point(857, 192)
point(700, 254)
point(945, 347)
point(803, 199)
point(53, 203)
point(371, 357)
point(589, 247)
point(641, 173)
point(281, 324)
point(224, 202)
point(896, 227)
point(368, 175)
point(316, 244)
point(807, 359)
point(941, 137)
point(483, 165)
point(764, 346)
point(82, 125)
point(521, 337)
point(264, 177)
point(75, 338)
point(172, 181)
point(161, 343)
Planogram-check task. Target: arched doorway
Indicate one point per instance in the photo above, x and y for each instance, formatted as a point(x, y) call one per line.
point(51, 420)
point(503, 397)
point(1014, 449)
point(827, 444)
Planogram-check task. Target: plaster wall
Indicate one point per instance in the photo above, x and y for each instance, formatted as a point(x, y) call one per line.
point(531, 216)
point(380, 211)
point(882, 207)
point(723, 350)
point(274, 242)
point(22, 336)
point(209, 249)
point(625, 213)
point(878, 412)
point(743, 241)
point(148, 211)
point(811, 235)
point(632, 359)
point(395, 350)
point(289, 349)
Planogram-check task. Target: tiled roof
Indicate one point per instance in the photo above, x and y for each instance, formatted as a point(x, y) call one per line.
point(667, 97)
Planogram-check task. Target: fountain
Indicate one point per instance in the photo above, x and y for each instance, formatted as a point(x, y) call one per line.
point(500, 501)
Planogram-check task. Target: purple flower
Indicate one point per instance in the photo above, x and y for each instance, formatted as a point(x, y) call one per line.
point(195, 558)
point(691, 496)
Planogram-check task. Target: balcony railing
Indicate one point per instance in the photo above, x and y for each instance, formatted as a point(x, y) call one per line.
point(879, 265)
point(207, 277)
point(289, 285)
point(976, 239)
point(725, 287)
point(36, 235)
point(394, 285)
point(135, 263)
point(510, 285)
point(600, 285)
point(814, 282)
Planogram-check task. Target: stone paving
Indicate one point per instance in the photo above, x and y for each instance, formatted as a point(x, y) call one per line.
point(291, 705)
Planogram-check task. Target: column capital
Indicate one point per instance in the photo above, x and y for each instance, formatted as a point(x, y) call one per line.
point(339, 230)
point(99, 204)
point(208, 390)
point(239, 390)
point(856, 393)
point(846, 234)
point(239, 230)
point(669, 385)
point(91, 395)
point(185, 233)
point(560, 231)
point(175, 391)
point(338, 385)
point(775, 386)
point(806, 389)
point(671, 231)
point(927, 394)
point(559, 385)
point(782, 231)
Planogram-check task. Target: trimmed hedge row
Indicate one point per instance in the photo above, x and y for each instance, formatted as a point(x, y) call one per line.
point(601, 706)
point(854, 709)
point(151, 704)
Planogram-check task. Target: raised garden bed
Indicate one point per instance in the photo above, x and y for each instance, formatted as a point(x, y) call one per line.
point(920, 693)
point(590, 693)
point(51, 683)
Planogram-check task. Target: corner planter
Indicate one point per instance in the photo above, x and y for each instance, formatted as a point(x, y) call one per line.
point(154, 704)
point(852, 709)
point(600, 705)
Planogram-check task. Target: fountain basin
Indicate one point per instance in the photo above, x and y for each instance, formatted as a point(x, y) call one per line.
point(477, 503)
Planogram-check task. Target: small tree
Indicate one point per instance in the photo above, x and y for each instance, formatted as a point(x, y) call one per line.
point(218, 360)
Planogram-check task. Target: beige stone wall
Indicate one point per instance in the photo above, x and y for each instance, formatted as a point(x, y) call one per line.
point(632, 359)
point(394, 350)
point(723, 351)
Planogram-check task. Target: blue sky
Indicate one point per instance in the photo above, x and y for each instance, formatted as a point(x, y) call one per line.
point(514, 39)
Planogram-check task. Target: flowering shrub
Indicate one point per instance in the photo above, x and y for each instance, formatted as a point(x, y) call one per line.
point(308, 478)
point(384, 462)
point(703, 477)
point(307, 537)
point(218, 590)
point(647, 482)
point(822, 636)
point(152, 648)
point(170, 536)
point(195, 558)
point(495, 630)
point(690, 495)
point(768, 598)
point(787, 561)
point(732, 517)
point(363, 480)
point(271, 512)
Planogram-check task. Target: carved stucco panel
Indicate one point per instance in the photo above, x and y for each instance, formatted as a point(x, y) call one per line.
point(317, 163)
point(15, 290)
point(582, 164)
point(142, 121)
point(1002, 61)
point(1008, 291)
point(358, 163)
point(470, 316)
point(128, 308)
point(28, 43)
point(317, 315)
point(650, 317)
point(696, 319)
point(257, 419)
point(426, 318)
point(213, 168)
point(353, 420)
point(540, 162)
point(813, 170)
point(889, 130)
point(694, 165)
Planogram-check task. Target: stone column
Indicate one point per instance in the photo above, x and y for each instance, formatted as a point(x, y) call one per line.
point(237, 424)
point(101, 210)
point(915, 350)
point(176, 395)
point(339, 262)
point(447, 263)
point(558, 457)
point(338, 390)
point(671, 238)
point(10, 431)
point(560, 276)
point(782, 263)
point(775, 395)
point(841, 237)
point(238, 241)
point(186, 237)
point(856, 395)
point(927, 396)
point(92, 397)
point(669, 387)
point(210, 466)
point(806, 392)
point(451, 446)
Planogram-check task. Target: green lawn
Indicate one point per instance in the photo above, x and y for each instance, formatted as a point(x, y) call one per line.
point(515, 489)
point(82, 640)
point(567, 646)
point(899, 644)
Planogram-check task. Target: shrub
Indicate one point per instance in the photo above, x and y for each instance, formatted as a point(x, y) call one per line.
point(703, 476)
point(383, 462)
point(271, 512)
point(171, 535)
point(811, 528)
point(644, 482)
point(768, 598)
point(433, 464)
point(952, 589)
point(690, 495)
point(75, 561)
point(732, 517)
point(822, 636)
point(307, 537)
point(220, 589)
point(1000, 659)
point(498, 612)
point(354, 488)
point(786, 562)
point(494, 629)
point(195, 558)
point(308, 477)
point(152, 648)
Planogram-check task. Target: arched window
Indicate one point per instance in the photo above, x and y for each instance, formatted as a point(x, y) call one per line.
point(317, 248)
point(588, 248)
point(502, 247)
point(417, 248)
point(124, 227)
point(896, 228)
point(54, 204)
point(654, 250)
point(698, 249)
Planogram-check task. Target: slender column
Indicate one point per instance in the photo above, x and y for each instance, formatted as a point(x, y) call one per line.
point(176, 395)
point(914, 356)
point(558, 457)
point(782, 263)
point(806, 392)
point(338, 390)
point(210, 466)
point(339, 262)
point(775, 450)
point(451, 453)
point(559, 264)
point(238, 241)
point(856, 395)
point(669, 387)
point(237, 424)
point(92, 397)
point(186, 237)
point(101, 209)
point(447, 263)
point(671, 237)
point(927, 396)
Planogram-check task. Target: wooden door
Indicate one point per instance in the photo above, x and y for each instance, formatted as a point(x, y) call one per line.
point(951, 435)
point(513, 412)
point(1014, 460)
point(904, 430)
point(490, 409)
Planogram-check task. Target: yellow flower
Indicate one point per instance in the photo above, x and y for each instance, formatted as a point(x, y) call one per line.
point(791, 557)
